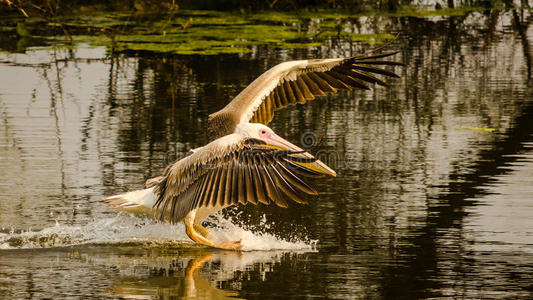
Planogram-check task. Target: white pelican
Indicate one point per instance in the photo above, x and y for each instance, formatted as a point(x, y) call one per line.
point(245, 161)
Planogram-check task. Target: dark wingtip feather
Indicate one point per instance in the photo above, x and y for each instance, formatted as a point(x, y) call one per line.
point(380, 62)
point(382, 55)
point(377, 71)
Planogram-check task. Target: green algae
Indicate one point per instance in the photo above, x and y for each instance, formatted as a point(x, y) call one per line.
point(412, 11)
point(213, 32)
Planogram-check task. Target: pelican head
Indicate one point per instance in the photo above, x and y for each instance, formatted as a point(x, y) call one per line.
point(267, 135)
point(271, 139)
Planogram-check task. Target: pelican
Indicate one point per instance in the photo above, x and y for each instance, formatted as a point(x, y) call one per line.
point(244, 160)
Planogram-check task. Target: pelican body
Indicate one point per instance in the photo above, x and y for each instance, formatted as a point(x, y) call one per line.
point(245, 161)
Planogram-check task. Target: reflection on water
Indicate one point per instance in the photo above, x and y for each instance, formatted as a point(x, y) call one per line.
point(432, 196)
point(136, 272)
point(190, 286)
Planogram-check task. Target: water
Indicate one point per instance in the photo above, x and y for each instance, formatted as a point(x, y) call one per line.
point(432, 198)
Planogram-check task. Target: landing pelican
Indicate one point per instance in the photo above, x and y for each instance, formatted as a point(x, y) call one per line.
point(245, 161)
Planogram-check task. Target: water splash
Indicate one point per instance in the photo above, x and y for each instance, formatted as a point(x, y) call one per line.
point(226, 230)
point(128, 229)
point(118, 229)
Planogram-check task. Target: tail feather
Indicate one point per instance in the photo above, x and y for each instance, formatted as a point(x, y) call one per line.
point(137, 202)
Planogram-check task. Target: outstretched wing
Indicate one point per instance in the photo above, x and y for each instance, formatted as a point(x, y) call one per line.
point(232, 170)
point(295, 82)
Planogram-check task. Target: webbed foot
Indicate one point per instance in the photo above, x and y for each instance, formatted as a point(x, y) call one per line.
point(234, 245)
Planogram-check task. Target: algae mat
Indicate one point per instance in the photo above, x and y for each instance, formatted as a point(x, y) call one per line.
point(202, 32)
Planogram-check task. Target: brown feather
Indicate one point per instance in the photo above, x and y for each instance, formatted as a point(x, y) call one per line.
point(369, 57)
point(376, 70)
point(324, 86)
point(209, 186)
point(277, 100)
point(204, 189)
point(235, 182)
point(220, 124)
point(295, 181)
point(338, 84)
point(271, 187)
point(241, 184)
point(269, 108)
point(220, 188)
point(379, 62)
point(305, 89)
point(313, 87)
point(250, 185)
point(288, 92)
point(368, 77)
point(282, 95)
point(228, 185)
point(299, 97)
point(264, 113)
point(285, 187)
point(258, 184)
point(345, 76)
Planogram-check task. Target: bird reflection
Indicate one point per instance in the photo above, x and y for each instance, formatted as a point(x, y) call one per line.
point(168, 285)
point(197, 287)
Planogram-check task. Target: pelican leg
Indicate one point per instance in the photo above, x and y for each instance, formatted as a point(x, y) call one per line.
point(202, 230)
point(195, 236)
point(197, 263)
point(191, 232)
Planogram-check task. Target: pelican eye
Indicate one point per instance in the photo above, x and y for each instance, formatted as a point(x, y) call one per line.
point(263, 131)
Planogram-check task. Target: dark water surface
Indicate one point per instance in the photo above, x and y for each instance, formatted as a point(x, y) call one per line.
point(433, 198)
